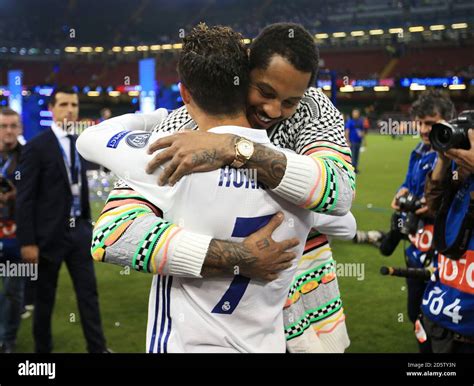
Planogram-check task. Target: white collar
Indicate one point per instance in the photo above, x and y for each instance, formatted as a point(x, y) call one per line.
point(58, 132)
point(255, 135)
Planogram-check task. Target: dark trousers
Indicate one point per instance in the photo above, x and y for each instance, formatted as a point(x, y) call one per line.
point(355, 150)
point(416, 289)
point(11, 303)
point(80, 266)
point(442, 340)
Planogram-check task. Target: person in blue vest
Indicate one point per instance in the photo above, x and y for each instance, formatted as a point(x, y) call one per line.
point(431, 107)
point(355, 132)
point(447, 320)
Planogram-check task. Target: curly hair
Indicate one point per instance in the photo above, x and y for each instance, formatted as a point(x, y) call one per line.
point(213, 65)
point(431, 102)
point(289, 40)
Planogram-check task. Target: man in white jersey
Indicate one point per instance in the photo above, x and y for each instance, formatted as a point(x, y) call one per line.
point(233, 314)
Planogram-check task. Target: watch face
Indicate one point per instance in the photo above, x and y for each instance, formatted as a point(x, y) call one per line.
point(246, 148)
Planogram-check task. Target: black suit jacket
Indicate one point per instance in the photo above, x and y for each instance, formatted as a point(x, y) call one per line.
point(44, 197)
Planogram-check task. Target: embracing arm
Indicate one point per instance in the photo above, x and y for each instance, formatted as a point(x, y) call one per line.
point(131, 232)
point(318, 177)
point(340, 227)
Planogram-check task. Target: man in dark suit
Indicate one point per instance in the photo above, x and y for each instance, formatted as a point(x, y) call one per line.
point(54, 221)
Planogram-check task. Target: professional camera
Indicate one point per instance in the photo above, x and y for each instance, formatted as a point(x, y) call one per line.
point(452, 134)
point(409, 222)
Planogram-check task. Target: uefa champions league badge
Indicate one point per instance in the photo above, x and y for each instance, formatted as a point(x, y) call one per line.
point(138, 140)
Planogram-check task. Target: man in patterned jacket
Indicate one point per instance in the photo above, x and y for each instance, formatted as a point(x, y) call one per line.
point(318, 176)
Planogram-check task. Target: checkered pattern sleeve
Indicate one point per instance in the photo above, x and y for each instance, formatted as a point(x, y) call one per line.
point(131, 232)
point(324, 181)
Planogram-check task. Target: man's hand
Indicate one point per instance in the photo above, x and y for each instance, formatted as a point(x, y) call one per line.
point(30, 254)
point(400, 193)
point(189, 152)
point(257, 257)
point(424, 209)
point(464, 158)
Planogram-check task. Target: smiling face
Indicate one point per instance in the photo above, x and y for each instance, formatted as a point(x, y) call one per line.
point(275, 92)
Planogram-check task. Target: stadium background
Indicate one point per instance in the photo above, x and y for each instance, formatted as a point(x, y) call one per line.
point(376, 56)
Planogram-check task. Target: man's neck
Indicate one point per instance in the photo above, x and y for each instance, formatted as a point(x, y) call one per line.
point(206, 122)
point(8, 147)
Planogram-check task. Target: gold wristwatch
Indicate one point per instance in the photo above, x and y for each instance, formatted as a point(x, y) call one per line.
point(243, 151)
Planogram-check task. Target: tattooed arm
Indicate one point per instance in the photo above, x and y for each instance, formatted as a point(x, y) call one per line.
point(318, 175)
point(131, 231)
point(258, 256)
point(269, 163)
point(129, 221)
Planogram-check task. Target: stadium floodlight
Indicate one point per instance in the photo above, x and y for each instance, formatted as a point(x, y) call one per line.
point(99, 49)
point(85, 49)
point(357, 33)
point(246, 41)
point(327, 87)
point(155, 47)
point(70, 49)
point(116, 49)
point(142, 48)
point(457, 86)
point(114, 93)
point(395, 30)
point(177, 46)
point(358, 88)
point(458, 25)
point(376, 32)
point(347, 88)
point(437, 27)
point(134, 93)
point(381, 88)
point(167, 46)
point(321, 36)
point(339, 34)
point(418, 28)
point(93, 93)
point(417, 87)
point(129, 49)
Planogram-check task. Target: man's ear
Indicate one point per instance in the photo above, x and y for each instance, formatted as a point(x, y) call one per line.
point(185, 95)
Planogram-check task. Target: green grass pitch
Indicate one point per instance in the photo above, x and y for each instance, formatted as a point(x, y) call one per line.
point(375, 306)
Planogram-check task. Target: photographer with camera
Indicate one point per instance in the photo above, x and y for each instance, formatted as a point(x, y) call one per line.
point(447, 320)
point(11, 295)
point(412, 221)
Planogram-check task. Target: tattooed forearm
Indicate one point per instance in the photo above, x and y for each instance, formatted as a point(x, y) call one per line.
point(205, 157)
point(270, 165)
point(224, 256)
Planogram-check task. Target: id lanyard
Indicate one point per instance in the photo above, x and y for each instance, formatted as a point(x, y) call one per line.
point(75, 188)
point(5, 166)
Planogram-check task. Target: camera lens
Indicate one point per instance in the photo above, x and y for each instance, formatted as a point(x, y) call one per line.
point(444, 135)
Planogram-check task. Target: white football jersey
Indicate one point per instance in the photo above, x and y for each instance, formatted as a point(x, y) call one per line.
point(232, 314)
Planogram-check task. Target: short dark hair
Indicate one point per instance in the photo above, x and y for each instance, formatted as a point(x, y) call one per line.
point(431, 102)
point(8, 111)
point(63, 89)
point(213, 66)
point(290, 41)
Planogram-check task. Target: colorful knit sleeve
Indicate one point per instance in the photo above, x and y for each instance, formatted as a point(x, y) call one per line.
point(131, 232)
point(324, 179)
